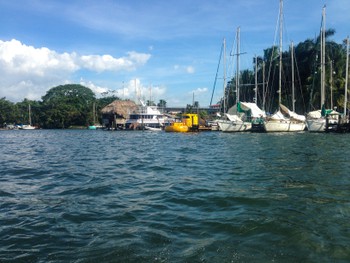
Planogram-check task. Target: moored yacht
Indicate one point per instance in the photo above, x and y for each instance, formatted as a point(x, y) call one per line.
point(149, 116)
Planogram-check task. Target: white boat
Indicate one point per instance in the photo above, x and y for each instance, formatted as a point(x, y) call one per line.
point(283, 120)
point(243, 114)
point(234, 124)
point(324, 119)
point(95, 124)
point(148, 128)
point(147, 116)
point(27, 126)
point(214, 125)
point(320, 120)
point(239, 117)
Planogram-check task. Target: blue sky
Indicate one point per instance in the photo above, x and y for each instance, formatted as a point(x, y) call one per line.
point(150, 49)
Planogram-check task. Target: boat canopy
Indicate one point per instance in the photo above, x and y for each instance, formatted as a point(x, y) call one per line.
point(278, 116)
point(249, 108)
point(291, 114)
point(233, 117)
point(318, 113)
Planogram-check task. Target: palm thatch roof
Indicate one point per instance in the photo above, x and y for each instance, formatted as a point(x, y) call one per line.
point(121, 108)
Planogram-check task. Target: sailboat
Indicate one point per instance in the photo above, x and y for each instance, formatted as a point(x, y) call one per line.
point(284, 120)
point(320, 120)
point(28, 126)
point(343, 123)
point(240, 115)
point(95, 124)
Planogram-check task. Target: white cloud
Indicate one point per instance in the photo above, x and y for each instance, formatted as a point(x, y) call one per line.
point(96, 89)
point(16, 57)
point(185, 69)
point(199, 91)
point(107, 62)
point(28, 72)
point(135, 90)
point(190, 70)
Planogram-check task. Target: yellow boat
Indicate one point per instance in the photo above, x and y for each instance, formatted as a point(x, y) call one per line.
point(177, 127)
point(189, 122)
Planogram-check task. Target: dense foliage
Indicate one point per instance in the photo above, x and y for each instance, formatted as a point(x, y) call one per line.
point(62, 107)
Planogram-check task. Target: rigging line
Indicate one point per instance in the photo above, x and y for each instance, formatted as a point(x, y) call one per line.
point(216, 75)
point(271, 64)
point(299, 79)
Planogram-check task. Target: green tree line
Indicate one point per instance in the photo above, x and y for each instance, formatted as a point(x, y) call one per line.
point(62, 107)
point(307, 80)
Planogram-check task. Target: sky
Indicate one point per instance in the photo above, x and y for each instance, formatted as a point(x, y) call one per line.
point(150, 49)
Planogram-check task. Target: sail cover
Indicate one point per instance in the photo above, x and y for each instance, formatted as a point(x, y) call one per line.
point(249, 108)
point(291, 114)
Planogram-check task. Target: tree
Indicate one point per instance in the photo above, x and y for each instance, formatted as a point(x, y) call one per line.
point(23, 112)
point(8, 112)
point(161, 103)
point(102, 102)
point(68, 105)
point(150, 103)
point(189, 108)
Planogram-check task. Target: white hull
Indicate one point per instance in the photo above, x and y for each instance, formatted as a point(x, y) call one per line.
point(316, 125)
point(283, 126)
point(27, 127)
point(232, 126)
point(147, 116)
point(320, 124)
point(153, 129)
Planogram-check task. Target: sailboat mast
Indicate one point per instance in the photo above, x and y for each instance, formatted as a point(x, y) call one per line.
point(293, 94)
point(264, 91)
point(331, 83)
point(237, 70)
point(237, 63)
point(94, 112)
point(280, 55)
point(346, 76)
point(323, 56)
point(224, 62)
point(256, 80)
point(29, 114)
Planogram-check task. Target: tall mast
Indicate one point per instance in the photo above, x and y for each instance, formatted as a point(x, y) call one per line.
point(256, 80)
point(237, 70)
point(331, 83)
point(264, 91)
point(29, 114)
point(346, 76)
point(293, 94)
point(323, 58)
point(94, 112)
point(280, 54)
point(224, 62)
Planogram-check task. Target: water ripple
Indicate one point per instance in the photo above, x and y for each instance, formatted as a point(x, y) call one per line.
point(87, 196)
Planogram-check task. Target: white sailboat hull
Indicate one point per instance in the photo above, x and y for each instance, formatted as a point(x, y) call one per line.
point(283, 126)
point(232, 126)
point(316, 125)
point(27, 127)
point(320, 124)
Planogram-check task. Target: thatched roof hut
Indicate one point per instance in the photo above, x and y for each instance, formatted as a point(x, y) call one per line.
point(121, 108)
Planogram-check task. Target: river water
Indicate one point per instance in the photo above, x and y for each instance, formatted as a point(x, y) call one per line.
point(98, 196)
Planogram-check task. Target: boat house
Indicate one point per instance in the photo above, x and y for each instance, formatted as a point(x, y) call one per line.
point(115, 114)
